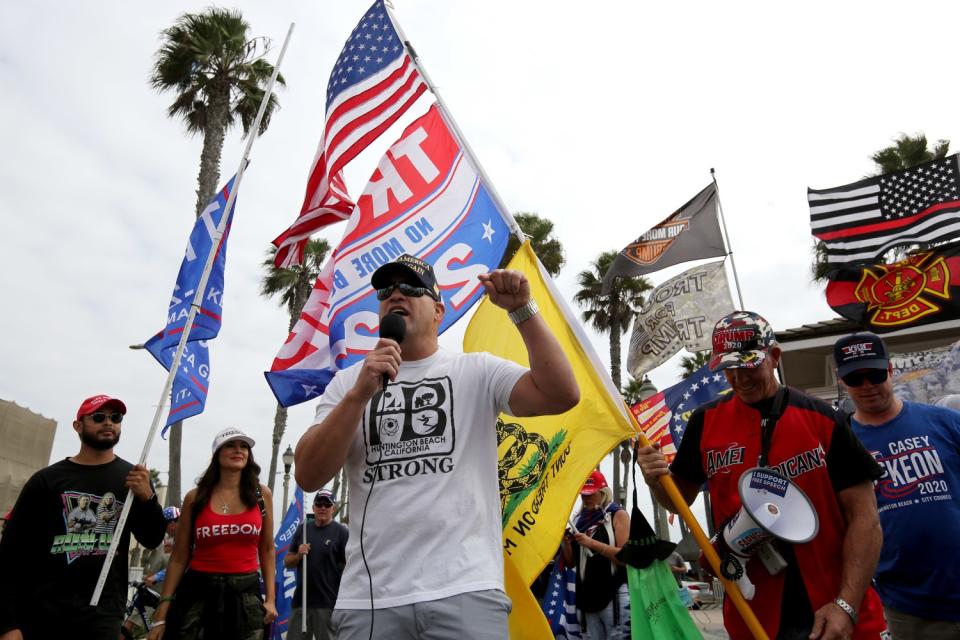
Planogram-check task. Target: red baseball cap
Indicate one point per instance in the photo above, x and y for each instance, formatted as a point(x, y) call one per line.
point(595, 482)
point(93, 403)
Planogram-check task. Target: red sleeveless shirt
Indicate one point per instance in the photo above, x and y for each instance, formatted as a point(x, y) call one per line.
point(731, 434)
point(227, 543)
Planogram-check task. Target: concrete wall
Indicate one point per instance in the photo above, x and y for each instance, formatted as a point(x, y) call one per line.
point(26, 439)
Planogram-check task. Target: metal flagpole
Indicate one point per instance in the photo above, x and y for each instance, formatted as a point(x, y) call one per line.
point(303, 569)
point(726, 239)
point(448, 118)
point(197, 300)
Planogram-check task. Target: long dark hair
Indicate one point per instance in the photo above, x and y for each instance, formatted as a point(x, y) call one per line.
point(249, 483)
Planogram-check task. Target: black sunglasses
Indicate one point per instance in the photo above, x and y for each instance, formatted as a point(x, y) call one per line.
point(406, 289)
point(323, 504)
point(856, 378)
point(116, 417)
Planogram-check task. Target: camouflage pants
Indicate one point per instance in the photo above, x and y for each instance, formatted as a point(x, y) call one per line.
point(217, 607)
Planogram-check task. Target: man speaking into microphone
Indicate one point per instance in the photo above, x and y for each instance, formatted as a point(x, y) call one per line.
point(424, 557)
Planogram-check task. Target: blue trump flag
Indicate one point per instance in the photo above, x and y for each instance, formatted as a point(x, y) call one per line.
point(189, 393)
point(699, 388)
point(286, 578)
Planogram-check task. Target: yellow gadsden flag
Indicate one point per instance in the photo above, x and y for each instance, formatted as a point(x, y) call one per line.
point(544, 461)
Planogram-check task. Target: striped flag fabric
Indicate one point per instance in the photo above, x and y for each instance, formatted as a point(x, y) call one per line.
point(860, 222)
point(373, 82)
point(664, 416)
point(560, 602)
point(436, 206)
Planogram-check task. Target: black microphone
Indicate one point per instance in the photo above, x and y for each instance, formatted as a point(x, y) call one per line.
point(392, 326)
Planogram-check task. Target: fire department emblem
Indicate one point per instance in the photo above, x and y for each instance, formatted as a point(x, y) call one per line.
point(903, 292)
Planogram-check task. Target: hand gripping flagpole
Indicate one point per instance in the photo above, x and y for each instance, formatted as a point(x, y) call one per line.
point(194, 307)
point(732, 590)
point(448, 119)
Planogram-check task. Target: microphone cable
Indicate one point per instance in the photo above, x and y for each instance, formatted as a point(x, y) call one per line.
point(363, 517)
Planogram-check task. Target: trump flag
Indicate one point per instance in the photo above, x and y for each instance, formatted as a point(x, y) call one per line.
point(427, 199)
point(286, 579)
point(189, 394)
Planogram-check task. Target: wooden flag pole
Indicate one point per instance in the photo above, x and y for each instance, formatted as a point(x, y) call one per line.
point(194, 307)
point(726, 239)
point(704, 543)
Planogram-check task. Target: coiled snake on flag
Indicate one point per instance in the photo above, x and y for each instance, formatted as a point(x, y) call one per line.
point(510, 459)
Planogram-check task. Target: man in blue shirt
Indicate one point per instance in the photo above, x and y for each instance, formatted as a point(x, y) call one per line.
point(918, 496)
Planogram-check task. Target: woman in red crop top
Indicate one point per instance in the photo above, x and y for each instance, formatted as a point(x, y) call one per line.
point(213, 585)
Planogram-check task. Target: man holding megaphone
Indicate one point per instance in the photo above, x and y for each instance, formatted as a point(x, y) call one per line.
point(823, 591)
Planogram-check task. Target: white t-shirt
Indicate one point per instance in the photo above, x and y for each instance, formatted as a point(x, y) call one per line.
point(433, 525)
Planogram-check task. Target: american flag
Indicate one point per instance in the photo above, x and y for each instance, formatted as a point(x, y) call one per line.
point(373, 82)
point(560, 602)
point(859, 222)
point(664, 416)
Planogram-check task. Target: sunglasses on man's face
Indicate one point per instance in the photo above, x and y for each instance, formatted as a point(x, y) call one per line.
point(873, 376)
point(323, 504)
point(116, 417)
point(406, 289)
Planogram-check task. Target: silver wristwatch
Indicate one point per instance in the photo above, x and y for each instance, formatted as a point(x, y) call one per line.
point(525, 312)
point(850, 611)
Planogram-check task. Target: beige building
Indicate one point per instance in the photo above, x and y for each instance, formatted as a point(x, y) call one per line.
point(808, 350)
point(26, 439)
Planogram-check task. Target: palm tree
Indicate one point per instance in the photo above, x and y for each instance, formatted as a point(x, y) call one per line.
point(611, 314)
point(690, 364)
point(905, 152)
point(544, 243)
point(293, 285)
point(218, 75)
point(908, 151)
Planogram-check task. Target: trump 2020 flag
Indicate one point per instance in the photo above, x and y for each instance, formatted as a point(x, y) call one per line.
point(663, 417)
point(189, 393)
point(286, 579)
point(425, 199)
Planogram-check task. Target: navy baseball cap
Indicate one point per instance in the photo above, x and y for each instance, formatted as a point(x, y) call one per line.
point(860, 351)
point(324, 496)
point(420, 271)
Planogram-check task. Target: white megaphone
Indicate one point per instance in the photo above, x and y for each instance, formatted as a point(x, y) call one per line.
point(773, 507)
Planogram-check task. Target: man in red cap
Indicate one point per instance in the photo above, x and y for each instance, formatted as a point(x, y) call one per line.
point(824, 592)
point(54, 545)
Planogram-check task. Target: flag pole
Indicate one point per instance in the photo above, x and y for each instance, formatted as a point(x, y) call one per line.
point(457, 132)
point(726, 238)
point(743, 608)
point(303, 569)
point(194, 307)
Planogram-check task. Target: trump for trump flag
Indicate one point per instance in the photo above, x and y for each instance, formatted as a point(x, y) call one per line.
point(189, 393)
point(286, 579)
point(373, 82)
point(544, 460)
point(426, 199)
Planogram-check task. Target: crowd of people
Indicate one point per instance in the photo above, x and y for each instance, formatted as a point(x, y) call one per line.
point(422, 556)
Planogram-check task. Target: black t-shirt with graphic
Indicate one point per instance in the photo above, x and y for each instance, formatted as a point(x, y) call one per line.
point(325, 563)
point(53, 548)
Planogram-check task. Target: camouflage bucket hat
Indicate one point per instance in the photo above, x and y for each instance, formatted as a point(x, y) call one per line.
point(740, 341)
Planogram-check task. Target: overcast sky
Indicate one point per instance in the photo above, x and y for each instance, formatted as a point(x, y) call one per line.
point(603, 117)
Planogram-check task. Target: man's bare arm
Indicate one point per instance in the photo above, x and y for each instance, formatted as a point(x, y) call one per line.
point(550, 386)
